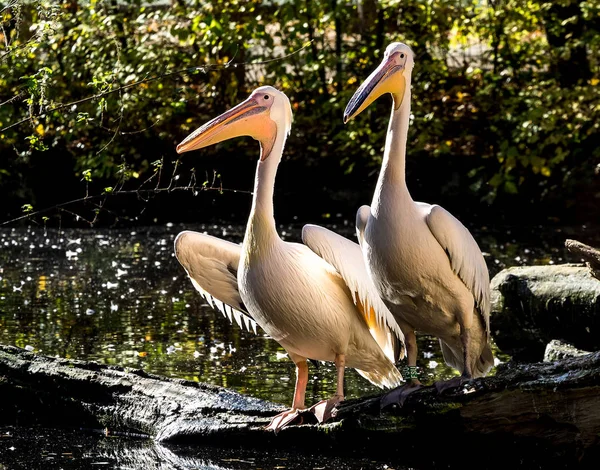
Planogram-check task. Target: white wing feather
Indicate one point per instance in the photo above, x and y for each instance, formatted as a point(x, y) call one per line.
point(212, 264)
point(465, 257)
point(347, 258)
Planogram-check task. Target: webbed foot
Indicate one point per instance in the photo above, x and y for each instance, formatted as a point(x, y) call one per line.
point(325, 409)
point(282, 420)
point(456, 382)
point(399, 395)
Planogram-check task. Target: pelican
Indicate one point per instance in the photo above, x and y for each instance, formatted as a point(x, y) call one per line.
point(425, 264)
point(315, 299)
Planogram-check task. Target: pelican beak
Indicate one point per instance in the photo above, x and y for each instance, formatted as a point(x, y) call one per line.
point(247, 118)
point(387, 78)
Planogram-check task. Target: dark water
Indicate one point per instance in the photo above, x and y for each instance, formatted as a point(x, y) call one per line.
point(32, 449)
point(121, 297)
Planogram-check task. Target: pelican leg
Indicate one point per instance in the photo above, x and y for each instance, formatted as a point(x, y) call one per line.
point(301, 382)
point(325, 409)
point(467, 374)
point(399, 395)
point(289, 417)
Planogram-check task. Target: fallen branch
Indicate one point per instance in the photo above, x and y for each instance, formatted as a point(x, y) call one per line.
point(527, 413)
point(589, 254)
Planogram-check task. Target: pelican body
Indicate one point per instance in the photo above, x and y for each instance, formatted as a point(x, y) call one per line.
point(425, 264)
point(316, 299)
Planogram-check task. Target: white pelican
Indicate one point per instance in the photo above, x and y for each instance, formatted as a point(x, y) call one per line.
point(425, 264)
point(316, 299)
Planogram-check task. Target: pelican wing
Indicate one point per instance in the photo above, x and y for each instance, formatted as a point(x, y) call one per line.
point(347, 258)
point(212, 264)
point(465, 257)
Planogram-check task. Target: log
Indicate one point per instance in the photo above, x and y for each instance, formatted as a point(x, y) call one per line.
point(73, 393)
point(533, 305)
point(532, 413)
point(590, 255)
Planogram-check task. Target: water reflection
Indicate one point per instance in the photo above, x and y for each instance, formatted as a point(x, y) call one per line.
point(41, 448)
point(120, 297)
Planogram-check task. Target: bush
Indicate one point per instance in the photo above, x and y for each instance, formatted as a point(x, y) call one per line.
point(506, 96)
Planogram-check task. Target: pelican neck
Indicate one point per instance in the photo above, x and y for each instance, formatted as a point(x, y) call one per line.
point(392, 177)
point(261, 229)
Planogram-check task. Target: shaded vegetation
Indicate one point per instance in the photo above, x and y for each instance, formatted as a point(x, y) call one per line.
point(506, 103)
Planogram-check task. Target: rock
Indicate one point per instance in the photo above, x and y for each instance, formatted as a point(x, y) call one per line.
point(557, 350)
point(533, 305)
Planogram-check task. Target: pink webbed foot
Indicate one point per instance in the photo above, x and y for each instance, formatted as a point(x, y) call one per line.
point(399, 395)
point(282, 420)
point(325, 409)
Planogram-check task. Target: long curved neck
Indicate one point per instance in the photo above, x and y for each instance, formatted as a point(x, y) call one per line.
point(261, 227)
point(392, 178)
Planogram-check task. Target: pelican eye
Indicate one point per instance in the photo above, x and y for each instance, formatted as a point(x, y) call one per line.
point(402, 56)
point(266, 97)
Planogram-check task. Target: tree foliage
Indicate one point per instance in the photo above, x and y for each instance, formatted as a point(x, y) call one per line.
point(506, 93)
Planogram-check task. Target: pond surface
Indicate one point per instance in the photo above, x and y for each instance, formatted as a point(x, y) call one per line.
point(121, 297)
point(29, 449)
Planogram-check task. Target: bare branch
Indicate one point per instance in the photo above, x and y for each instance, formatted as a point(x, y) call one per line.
point(62, 205)
point(120, 120)
point(589, 254)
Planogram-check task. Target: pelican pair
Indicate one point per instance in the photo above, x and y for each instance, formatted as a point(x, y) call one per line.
point(329, 299)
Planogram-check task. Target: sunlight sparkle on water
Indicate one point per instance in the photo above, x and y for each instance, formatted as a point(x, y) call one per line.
point(120, 297)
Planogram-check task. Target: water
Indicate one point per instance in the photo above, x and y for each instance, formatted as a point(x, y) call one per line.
point(121, 297)
point(28, 449)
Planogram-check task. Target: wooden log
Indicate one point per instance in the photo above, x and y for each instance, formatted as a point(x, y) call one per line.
point(526, 413)
point(589, 254)
point(44, 390)
point(532, 305)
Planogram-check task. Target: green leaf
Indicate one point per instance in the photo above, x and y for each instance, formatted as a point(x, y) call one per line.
point(86, 175)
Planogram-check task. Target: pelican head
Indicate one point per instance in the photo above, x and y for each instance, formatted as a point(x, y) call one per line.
point(390, 77)
point(262, 116)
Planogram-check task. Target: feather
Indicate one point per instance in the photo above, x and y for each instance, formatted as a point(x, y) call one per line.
point(465, 257)
point(211, 264)
point(347, 259)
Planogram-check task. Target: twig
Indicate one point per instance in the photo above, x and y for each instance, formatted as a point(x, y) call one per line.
point(141, 130)
point(62, 205)
point(10, 5)
point(116, 131)
point(174, 176)
point(160, 168)
point(14, 98)
point(77, 216)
